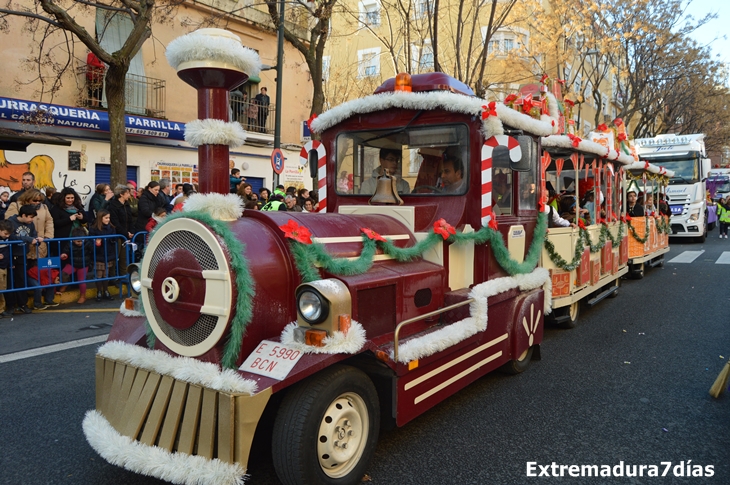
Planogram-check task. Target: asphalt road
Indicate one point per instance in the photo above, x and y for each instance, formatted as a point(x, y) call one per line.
point(629, 384)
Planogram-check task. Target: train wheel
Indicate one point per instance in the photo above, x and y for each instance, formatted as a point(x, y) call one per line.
point(572, 313)
point(617, 284)
point(520, 365)
point(326, 429)
point(637, 271)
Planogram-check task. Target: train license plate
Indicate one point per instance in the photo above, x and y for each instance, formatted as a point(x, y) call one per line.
point(272, 359)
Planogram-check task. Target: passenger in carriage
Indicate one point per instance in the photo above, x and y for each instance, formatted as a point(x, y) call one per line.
point(452, 173)
point(554, 219)
point(663, 206)
point(632, 208)
point(389, 160)
point(502, 189)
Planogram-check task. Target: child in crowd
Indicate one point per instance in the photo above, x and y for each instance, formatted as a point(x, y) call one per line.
point(156, 218)
point(5, 230)
point(78, 255)
point(41, 279)
point(106, 252)
point(23, 230)
point(4, 203)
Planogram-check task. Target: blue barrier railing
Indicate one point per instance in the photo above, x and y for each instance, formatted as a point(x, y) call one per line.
point(42, 266)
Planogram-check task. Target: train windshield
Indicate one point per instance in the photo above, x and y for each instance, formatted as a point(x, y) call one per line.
point(430, 160)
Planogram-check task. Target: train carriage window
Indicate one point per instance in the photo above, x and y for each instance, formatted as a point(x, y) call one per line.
point(424, 160)
point(528, 189)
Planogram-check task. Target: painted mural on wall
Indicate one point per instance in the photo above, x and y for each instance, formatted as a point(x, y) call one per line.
point(11, 171)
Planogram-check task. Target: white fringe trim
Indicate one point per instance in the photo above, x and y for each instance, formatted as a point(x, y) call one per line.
point(197, 46)
point(184, 369)
point(586, 146)
point(214, 132)
point(154, 461)
point(129, 313)
point(650, 167)
point(225, 207)
point(434, 342)
point(457, 103)
point(338, 343)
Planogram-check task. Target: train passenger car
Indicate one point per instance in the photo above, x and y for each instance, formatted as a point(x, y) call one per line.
point(587, 259)
point(419, 275)
point(648, 234)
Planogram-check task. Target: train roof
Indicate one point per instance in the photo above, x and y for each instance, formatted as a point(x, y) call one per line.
point(651, 168)
point(443, 98)
point(564, 143)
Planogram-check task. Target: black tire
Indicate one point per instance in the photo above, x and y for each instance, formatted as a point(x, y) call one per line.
point(572, 311)
point(617, 284)
point(314, 416)
point(637, 271)
point(514, 367)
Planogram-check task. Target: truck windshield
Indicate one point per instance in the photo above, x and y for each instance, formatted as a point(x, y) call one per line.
point(686, 171)
point(424, 160)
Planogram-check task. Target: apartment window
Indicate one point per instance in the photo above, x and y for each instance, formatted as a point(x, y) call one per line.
point(368, 61)
point(578, 84)
point(325, 68)
point(370, 12)
point(421, 58)
point(604, 100)
point(613, 113)
point(589, 94)
point(566, 72)
point(423, 8)
point(586, 128)
point(506, 41)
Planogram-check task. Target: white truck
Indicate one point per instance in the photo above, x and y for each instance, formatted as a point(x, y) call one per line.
point(720, 178)
point(685, 155)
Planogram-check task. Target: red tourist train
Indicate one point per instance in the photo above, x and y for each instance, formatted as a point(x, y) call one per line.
point(425, 269)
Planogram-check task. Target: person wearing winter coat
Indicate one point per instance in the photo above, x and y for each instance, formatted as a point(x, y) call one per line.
point(121, 212)
point(723, 216)
point(43, 221)
point(106, 252)
point(68, 213)
point(148, 202)
point(78, 255)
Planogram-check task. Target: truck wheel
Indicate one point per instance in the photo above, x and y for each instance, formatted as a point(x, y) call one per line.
point(514, 367)
point(326, 429)
point(617, 284)
point(637, 271)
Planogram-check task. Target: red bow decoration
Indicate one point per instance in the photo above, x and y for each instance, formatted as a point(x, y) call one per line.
point(627, 218)
point(618, 122)
point(292, 230)
point(621, 137)
point(311, 118)
point(581, 224)
point(569, 103)
point(372, 234)
point(510, 98)
point(443, 228)
point(561, 81)
point(602, 127)
point(544, 78)
point(574, 139)
point(489, 110)
point(493, 224)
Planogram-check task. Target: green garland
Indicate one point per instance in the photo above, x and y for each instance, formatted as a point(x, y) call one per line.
point(663, 225)
point(580, 246)
point(243, 312)
point(308, 256)
point(635, 236)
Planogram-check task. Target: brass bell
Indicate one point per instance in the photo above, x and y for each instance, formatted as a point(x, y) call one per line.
point(386, 192)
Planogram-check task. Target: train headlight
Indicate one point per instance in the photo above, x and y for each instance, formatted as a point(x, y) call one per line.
point(321, 303)
point(134, 279)
point(311, 306)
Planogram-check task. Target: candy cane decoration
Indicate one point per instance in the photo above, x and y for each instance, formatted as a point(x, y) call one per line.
point(321, 169)
point(515, 154)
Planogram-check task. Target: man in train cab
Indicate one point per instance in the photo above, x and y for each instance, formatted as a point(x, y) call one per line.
point(389, 160)
point(452, 175)
point(632, 208)
point(502, 190)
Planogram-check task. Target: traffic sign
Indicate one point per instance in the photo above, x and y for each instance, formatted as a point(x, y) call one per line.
point(277, 161)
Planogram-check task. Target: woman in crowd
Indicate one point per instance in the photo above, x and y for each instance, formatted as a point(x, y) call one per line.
point(100, 199)
point(106, 252)
point(245, 192)
point(148, 203)
point(67, 214)
point(121, 212)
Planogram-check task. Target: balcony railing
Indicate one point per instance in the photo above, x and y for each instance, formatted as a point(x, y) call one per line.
point(253, 117)
point(144, 96)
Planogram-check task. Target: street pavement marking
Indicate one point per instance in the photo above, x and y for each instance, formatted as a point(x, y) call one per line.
point(724, 258)
point(687, 257)
point(25, 354)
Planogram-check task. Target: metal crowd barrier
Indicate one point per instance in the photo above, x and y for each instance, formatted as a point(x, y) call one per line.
point(17, 272)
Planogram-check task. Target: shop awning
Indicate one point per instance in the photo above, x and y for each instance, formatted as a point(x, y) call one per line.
point(19, 140)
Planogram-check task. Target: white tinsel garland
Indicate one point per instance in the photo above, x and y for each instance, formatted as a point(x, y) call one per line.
point(337, 343)
point(197, 46)
point(651, 168)
point(434, 342)
point(181, 368)
point(214, 132)
point(587, 146)
point(225, 207)
point(154, 461)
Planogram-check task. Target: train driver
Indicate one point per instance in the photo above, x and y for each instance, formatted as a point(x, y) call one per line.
point(389, 160)
point(452, 175)
point(502, 194)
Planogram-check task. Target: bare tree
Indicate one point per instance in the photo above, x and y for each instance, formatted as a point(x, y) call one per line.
point(48, 20)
